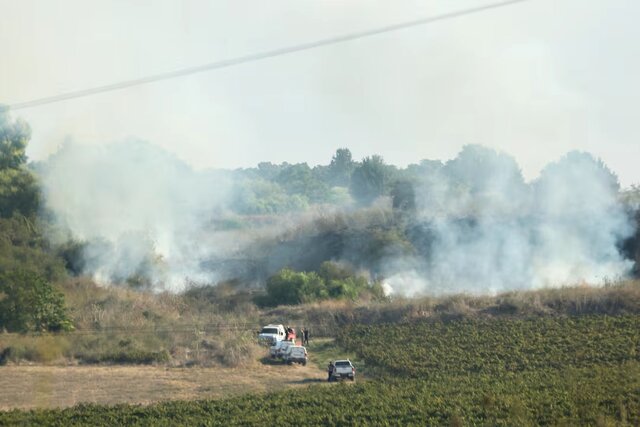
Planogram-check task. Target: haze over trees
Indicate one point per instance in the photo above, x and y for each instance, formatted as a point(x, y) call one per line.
point(468, 224)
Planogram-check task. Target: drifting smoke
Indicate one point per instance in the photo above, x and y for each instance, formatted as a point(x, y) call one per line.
point(478, 226)
point(141, 211)
point(489, 231)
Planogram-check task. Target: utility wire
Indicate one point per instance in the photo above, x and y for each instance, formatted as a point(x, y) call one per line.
point(257, 56)
point(179, 329)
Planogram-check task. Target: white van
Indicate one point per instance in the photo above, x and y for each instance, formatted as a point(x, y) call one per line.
point(271, 334)
point(280, 348)
point(296, 354)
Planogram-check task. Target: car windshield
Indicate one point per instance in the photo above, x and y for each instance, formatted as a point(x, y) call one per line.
point(269, 331)
point(343, 363)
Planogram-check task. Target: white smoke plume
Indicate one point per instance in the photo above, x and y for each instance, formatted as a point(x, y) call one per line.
point(142, 211)
point(489, 231)
point(481, 227)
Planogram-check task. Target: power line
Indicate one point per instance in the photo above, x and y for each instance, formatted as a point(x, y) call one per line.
point(251, 328)
point(256, 56)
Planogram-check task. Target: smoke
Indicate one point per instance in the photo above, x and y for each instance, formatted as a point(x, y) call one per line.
point(149, 219)
point(487, 230)
point(142, 213)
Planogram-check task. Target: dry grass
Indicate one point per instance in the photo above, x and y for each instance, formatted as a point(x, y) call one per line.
point(327, 317)
point(53, 386)
point(117, 325)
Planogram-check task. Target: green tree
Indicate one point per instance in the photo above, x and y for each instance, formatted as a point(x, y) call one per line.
point(298, 179)
point(369, 180)
point(14, 136)
point(333, 281)
point(341, 167)
point(30, 303)
point(19, 191)
point(260, 197)
point(484, 170)
point(403, 196)
point(288, 287)
point(23, 247)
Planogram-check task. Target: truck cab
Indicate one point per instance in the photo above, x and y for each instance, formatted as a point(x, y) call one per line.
point(271, 334)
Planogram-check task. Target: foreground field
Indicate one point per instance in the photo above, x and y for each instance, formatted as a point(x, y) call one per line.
point(57, 386)
point(502, 371)
point(606, 396)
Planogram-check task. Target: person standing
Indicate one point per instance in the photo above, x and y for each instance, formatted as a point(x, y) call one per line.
point(306, 336)
point(330, 370)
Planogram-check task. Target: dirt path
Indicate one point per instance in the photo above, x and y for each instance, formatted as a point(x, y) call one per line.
point(57, 386)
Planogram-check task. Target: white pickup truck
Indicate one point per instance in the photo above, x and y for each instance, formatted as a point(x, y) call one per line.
point(343, 369)
point(271, 334)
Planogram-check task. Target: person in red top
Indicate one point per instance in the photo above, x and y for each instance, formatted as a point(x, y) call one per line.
point(291, 334)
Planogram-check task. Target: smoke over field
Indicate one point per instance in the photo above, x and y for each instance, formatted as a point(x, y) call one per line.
point(471, 224)
point(491, 231)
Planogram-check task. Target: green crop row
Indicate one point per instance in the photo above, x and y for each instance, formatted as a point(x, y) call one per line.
point(499, 372)
point(494, 346)
point(576, 396)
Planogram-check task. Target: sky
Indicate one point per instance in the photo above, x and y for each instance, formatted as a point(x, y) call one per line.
point(535, 79)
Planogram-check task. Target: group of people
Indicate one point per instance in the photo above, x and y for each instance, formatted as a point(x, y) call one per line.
point(304, 336)
point(291, 335)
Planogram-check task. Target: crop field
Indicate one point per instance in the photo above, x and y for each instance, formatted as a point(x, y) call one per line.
point(496, 347)
point(542, 371)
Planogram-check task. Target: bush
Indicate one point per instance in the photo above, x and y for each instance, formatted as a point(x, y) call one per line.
point(29, 303)
point(333, 281)
point(23, 247)
point(135, 357)
point(41, 349)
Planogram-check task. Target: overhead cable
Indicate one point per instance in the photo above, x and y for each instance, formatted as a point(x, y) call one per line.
point(256, 56)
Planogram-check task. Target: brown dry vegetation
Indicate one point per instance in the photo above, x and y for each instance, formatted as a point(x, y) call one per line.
point(328, 316)
point(56, 386)
point(119, 326)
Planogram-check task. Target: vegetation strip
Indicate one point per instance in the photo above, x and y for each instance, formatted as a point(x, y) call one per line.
point(541, 371)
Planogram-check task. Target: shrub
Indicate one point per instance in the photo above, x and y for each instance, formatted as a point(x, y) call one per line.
point(333, 281)
point(42, 349)
point(29, 303)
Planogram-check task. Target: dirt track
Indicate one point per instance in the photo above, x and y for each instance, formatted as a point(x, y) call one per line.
point(58, 386)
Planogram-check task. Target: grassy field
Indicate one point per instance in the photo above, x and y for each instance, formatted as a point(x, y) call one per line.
point(29, 387)
point(504, 371)
point(601, 396)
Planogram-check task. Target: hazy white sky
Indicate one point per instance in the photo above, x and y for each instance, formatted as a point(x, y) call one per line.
point(535, 79)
